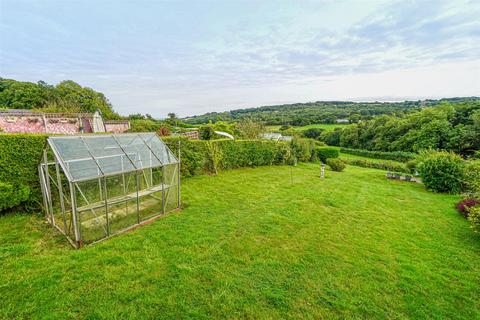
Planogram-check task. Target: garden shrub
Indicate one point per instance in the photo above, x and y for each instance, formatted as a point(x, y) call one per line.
point(442, 171)
point(393, 155)
point(336, 164)
point(387, 165)
point(464, 205)
point(474, 218)
point(324, 153)
point(12, 195)
point(472, 178)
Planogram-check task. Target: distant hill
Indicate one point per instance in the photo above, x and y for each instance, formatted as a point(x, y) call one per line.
point(300, 114)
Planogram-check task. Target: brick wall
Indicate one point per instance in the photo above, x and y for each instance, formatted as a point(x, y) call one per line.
point(55, 124)
point(63, 126)
point(191, 135)
point(116, 127)
point(21, 124)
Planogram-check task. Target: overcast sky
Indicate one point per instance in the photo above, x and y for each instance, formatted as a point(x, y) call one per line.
point(198, 56)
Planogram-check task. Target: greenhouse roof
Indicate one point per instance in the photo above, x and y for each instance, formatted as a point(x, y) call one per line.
point(85, 157)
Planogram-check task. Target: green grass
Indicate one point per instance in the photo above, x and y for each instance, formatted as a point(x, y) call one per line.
point(353, 156)
point(250, 243)
point(327, 127)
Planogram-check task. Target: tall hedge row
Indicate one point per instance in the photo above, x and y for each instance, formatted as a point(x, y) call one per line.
point(19, 158)
point(210, 156)
point(393, 155)
point(20, 155)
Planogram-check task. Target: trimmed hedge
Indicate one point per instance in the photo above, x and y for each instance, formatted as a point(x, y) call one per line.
point(199, 156)
point(324, 153)
point(394, 155)
point(12, 196)
point(20, 155)
point(387, 165)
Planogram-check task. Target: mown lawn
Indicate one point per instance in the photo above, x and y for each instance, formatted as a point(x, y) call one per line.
point(250, 243)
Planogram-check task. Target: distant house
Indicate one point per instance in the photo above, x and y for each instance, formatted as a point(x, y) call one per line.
point(271, 136)
point(26, 121)
point(342, 121)
point(285, 138)
point(275, 136)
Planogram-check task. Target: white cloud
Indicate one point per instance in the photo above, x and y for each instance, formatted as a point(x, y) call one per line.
point(189, 59)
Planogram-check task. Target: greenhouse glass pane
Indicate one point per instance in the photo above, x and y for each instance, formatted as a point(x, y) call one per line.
point(73, 152)
point(92, 156)
point(138, 151)
point(171, 185)
point(122, 201)
point(159, 148)
point(108, 154)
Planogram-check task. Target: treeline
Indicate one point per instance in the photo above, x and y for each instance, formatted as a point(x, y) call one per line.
point(300, 114)
point(66, 96)
point(453, 127)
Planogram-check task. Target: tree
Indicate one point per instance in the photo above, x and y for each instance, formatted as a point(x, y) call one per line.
point(249, 129)
point(207, 132)
point(172, 119)
point(313, 133)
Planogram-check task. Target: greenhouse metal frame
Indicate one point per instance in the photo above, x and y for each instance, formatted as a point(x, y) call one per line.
point(98, 185)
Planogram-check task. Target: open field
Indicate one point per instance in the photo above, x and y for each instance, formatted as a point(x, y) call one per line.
point(249, 243)
point(327, 127)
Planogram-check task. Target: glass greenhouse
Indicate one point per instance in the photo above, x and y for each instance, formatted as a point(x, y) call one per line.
point(95, 186)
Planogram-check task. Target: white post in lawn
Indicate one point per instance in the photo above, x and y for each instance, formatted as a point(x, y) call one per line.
point(322, 171)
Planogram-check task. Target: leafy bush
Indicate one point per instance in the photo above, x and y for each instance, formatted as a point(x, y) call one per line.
point(474, 218)
point(472, 178)
point(442, 171)
point(394, 155)
point(387, 165)
point(464, 205)
point(336, 164)
point(12, 195)
point(324, 153)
